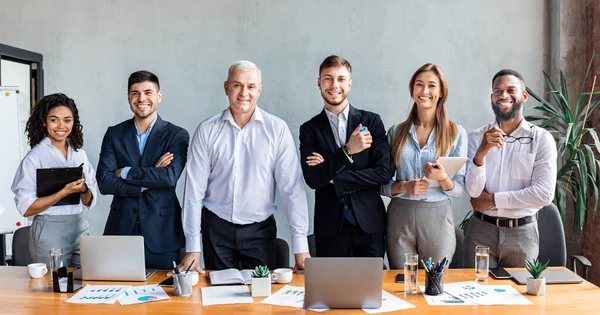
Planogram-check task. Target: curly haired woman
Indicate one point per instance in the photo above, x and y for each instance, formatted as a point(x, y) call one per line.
point(55, 137)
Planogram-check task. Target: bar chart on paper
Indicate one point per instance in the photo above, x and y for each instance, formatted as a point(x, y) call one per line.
point(98, 294)
point(288, 296)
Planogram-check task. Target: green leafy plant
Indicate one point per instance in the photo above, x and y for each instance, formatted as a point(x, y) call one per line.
point(260, 272)
point(576, 141)
point(536, 268)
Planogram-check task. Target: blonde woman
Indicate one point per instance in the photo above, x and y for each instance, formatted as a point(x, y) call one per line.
point(420, 217)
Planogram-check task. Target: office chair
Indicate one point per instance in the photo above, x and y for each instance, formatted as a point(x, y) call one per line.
point(282, 254)
point(20, 247)
point(312, 249)
point(553, 246)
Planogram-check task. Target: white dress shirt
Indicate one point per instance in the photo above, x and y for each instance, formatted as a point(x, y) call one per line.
point(522, 177)
point(233, 172)
point(45, 155)
point(339, 127)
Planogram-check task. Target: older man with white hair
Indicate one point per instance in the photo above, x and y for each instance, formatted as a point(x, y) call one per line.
point(236, 159)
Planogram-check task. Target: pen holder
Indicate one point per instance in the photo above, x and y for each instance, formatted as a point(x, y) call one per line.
point(434, 283)
point(62, 276)
point(182, 284)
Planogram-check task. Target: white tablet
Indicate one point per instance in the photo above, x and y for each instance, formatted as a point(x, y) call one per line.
point(451, 164)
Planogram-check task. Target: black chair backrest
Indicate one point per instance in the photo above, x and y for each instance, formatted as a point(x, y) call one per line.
point(282, 254)
point(311, 245)
point(552, 236)
point(20, 247)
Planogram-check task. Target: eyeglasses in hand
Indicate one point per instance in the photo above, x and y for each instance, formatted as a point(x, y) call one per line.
point(522, 140)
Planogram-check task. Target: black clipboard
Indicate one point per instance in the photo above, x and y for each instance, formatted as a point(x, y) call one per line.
point(51, 180)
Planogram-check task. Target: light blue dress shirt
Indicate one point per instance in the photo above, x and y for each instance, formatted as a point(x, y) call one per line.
point(142, 138)
point(414, 159)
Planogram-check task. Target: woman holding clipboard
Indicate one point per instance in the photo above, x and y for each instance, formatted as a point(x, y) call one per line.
point(420, 218)
point(55, 137)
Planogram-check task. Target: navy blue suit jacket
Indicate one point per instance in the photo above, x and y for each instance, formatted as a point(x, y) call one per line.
point(158, 208)
point(359, 181)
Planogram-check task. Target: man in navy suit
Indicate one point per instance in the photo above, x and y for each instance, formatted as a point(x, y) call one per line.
point(140, 162)
point(345, 158)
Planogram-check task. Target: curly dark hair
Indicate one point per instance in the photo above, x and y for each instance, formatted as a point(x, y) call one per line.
point(35, 129)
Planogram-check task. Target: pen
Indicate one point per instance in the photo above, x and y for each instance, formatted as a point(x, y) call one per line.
point(190, 266)
point(81, 165)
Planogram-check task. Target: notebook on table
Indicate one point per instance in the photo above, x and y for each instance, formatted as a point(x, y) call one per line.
point(230, 276)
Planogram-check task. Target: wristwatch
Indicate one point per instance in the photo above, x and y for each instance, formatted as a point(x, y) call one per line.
point(86, 189)
point(347, 151)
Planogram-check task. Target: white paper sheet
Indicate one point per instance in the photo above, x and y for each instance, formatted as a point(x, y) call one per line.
point(503, 295)
point(389, 303)
point(289, 295)
point(486, 294)
point(233, 294)
point(143, 294)
point(98, 294)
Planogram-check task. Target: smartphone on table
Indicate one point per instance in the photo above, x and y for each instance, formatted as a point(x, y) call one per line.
point(500, 273)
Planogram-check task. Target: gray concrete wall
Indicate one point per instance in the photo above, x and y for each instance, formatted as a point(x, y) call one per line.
point(90, 48)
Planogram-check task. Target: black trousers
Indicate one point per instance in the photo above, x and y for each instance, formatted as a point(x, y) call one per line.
point(228, 245)
point(351, 241)
point(162, 261)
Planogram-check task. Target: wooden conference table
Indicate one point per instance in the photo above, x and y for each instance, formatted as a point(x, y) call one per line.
point(21, 295)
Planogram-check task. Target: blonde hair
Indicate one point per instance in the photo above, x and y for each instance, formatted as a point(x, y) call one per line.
point(446, 131)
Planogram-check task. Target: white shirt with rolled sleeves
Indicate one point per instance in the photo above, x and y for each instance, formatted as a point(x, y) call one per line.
point(233, 172)
point(522, 177)
point(45, 155)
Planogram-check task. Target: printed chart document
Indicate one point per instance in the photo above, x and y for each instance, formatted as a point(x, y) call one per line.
point(231, 276)
point(503, 295)
point(444, 299)
point(234, 294)
point(98, 294)
point(289, 295)
point(389, 303)
point(486, 294)
point(143, 294)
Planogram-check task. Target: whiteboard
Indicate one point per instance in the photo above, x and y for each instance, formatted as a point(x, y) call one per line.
point(11, 144)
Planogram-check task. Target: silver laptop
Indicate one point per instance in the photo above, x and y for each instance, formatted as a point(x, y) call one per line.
point(113, 258)
point(343, 282)
point(560, 276)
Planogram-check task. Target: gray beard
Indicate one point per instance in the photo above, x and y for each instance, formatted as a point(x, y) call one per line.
point(501, 116)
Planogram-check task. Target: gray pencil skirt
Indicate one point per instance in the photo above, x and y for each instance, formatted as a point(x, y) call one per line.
point(424, 228)
point(57, 231)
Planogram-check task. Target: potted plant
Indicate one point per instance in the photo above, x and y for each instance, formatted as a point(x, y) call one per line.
point(536, 284)
point(261, 281)
point(568, 120)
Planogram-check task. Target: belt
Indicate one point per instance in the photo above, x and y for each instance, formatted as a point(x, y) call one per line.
point(505, 222)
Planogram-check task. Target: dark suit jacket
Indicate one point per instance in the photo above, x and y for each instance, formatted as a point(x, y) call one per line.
point(360, 181)
point(158, 207)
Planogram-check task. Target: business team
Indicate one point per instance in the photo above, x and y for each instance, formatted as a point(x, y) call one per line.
point(239, 156)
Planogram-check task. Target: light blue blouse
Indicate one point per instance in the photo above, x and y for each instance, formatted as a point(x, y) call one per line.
point(413, 162)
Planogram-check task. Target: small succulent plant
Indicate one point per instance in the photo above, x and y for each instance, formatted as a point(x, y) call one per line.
point(536, 267)
point(260, 272)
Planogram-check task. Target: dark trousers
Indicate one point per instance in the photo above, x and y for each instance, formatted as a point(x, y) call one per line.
point(351, 241)
point(228, 245)
point(162, 261)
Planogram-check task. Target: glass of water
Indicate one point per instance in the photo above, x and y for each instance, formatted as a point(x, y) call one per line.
point(482, 262)
point(411, 268)
point(56, 259)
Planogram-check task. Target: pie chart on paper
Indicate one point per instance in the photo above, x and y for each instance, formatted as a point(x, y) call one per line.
point(147, 298)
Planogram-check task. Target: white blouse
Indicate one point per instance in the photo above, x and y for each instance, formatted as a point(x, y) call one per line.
point(45, 155)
